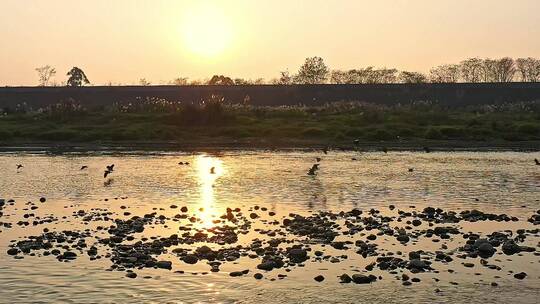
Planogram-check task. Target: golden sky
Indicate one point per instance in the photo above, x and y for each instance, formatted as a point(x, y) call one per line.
point(121, 41)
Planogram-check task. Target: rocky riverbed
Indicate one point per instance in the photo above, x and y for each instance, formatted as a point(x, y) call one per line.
point(435, 251)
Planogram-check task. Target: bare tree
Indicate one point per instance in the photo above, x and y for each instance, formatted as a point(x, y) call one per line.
point(285, 78)
point(313, 71)
point(471, 69)
point(412, 77)
point(45, 73)
point(180, 81)
point(445, 73)
point(144, 82)
point(529, 69)
point(506, 69)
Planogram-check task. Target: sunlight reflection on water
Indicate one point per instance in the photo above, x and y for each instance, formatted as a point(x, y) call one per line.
point(495, 182)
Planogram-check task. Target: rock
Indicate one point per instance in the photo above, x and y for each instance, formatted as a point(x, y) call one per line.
point(164, 264)
point(131, 275)
point(190, 259)
point(469, 265)
point(266, 265)
point(372, 237)
point(253, 215)
point(406, 283)
point(414, 255)
point(485, 248)
point(520, 276)
point(184, 209)
point(297, 255)
point(416, 280)
point(416, 223)
point(258, 276)
point(236, 274)
point(319, 278)
point(494, 284)
point(403, 238)
point(510, 247)
point(361, 279)
point(42, 199)
point(417, 264)
point(13, 251)
point(345, 278)
point(69, 255)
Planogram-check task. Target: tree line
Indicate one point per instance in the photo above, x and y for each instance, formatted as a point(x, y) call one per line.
point(315, 71)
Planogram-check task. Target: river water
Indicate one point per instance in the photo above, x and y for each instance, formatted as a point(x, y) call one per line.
point(496, 182)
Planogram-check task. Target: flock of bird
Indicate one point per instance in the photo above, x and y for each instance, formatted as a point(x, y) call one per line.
point(312, 171)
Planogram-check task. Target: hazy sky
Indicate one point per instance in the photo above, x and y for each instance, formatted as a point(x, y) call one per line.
point(121, 41)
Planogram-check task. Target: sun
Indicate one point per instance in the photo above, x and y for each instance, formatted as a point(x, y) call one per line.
point(206, 31)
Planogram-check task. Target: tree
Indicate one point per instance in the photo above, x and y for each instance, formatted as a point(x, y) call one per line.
point(506, 69)
point(180, 81)
point(144, 82)
point(285, 78)
point(77, 78)
point(45, 73)
point(489, 70)
point(220, 80)
point(529, 69)
point(471, 69)
point(412, 77)
point(313, 71)
point(445, 73)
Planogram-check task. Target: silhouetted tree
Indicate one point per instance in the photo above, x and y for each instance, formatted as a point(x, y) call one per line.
point(445, 73)
point(471, 69)
point(220, 80)
point(285, 78)
point(529, 69)
point(45, 73)
point(412, 77)
point(313, 71)
point(180, 81)
point(76, 78)
point(144, 82)
point(506, 69)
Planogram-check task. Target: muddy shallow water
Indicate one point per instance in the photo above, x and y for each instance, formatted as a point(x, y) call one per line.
point(498, 182)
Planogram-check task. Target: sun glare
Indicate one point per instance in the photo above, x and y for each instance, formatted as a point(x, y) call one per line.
point(209, 169)
point(207, 31)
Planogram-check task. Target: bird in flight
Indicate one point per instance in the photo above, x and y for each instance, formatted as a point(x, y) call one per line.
point(84, 167)
point(19, 166)
point(313, 169)
point(109, 170)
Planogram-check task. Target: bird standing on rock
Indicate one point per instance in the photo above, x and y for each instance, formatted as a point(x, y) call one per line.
point(213, 170)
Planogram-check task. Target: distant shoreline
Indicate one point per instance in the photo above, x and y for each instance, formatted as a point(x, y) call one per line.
point(208, 146)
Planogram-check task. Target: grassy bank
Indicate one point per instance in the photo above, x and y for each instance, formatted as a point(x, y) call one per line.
point(339, 123)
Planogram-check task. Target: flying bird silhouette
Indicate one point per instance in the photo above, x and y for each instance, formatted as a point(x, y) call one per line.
point(313, 169)
point(19, 166)
point(109, 170)
point(84, 167)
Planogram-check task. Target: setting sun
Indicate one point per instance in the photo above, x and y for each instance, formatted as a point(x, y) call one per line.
point(206, 31)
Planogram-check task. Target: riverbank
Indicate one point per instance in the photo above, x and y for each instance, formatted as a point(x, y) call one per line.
point(160, 124)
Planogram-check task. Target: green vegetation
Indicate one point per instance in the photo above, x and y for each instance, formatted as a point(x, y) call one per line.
point(214, 121)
